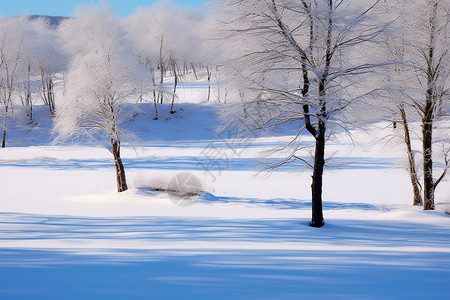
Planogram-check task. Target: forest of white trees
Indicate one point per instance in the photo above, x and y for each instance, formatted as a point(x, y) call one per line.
point(329, 65)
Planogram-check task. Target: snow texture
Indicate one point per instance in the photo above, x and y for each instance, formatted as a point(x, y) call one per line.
point(65, 232)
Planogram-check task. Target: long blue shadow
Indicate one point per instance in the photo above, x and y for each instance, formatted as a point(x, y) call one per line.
point(193, 163)
point(283, 203)
point(239, 272)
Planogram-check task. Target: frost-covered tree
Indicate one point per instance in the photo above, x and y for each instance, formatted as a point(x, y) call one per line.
point(393, 103)
point(140, 31)
point(209, 53)
point(434, 69)
point(420, 81)
point(12, 36)
point(300, 61)
point(41, 60)
point(48, 60)
point(166, 37)
point(101, 76)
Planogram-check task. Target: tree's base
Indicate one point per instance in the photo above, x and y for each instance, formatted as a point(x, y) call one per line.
point(172, 112)
point(317, 224)
point(428, 205)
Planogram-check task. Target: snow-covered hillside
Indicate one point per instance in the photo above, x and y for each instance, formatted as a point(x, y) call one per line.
point(53, 21)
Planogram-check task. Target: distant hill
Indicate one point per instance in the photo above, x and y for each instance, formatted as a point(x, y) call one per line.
point(53, 20)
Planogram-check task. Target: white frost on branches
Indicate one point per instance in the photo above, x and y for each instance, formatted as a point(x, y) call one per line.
point(102, 75)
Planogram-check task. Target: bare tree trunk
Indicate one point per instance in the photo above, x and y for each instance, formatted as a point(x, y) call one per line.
point(174, 87)
point(208, 72)
point(4, 139)
point(427, 133)
point(317, 179)
point(319, 157)
point(48, 94)
point(31, 113)
point(417, 190)
point(161, 82)
point(155, 105)
point(120, 170)
point(51, 96)
point(193, 69)
point(428, 115)
point(161, 68)
point(317, 219)
point(28, 101)
point(25, 96)
point(155, 100)
point(5, 122)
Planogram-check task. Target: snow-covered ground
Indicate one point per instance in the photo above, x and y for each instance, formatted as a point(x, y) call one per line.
point(66, 234)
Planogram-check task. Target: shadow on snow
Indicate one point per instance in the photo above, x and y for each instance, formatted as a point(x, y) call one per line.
point(194, 258)
point(193, 163)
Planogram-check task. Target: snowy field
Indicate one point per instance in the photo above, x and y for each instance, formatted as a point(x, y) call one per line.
point(65, 233)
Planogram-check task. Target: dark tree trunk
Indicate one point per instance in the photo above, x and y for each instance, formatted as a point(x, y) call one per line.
point(51, 97)
point(193, 69)
point(412, 164)
point(319, 157)
point(428, 115)
point(317, 179)
point(161, 82)
point(120, 170)
point(208, 72)
point(319, 135)
point(175, 83)
point(155, 105)
point(4, 139)
point(31, 113)
point(428, 187)
point(155, 100)
point(48, 95)
point(29, 103)
point(161, 69)
point(5, 123)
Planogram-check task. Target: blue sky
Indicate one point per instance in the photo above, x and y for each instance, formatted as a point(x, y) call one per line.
point(66, 7)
